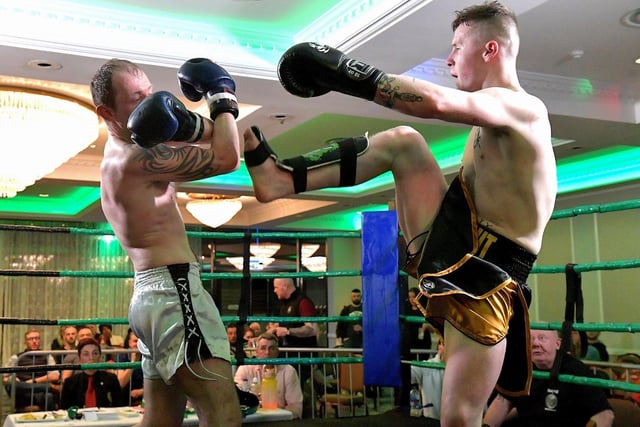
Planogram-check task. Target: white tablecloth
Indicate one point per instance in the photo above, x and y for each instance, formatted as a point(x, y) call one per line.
point(125, 417)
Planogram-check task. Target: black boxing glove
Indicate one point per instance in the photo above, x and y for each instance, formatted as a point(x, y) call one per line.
point(161, 117)
point(200, 77)
point(311, 69)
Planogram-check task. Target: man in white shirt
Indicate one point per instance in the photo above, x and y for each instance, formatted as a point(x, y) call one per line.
point(430, 382)
point(289, 391)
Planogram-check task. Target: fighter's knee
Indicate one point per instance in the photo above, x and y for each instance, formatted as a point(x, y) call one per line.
point(406, 134)
point(399, 139)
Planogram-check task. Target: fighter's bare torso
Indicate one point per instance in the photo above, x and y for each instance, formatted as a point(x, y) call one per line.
point(143, 213)
point(512, 180)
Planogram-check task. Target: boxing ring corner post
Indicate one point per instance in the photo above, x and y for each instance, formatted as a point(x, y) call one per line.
point(381, 321)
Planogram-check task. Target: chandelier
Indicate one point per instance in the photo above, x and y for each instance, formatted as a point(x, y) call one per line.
point(264, 250)
point(44, 130)
point(308, 249)
point(315, 263)
point(255, 263)
point(213, 209)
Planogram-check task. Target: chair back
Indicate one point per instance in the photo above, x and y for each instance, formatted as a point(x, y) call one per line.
point(351, 377)
point(626, 413)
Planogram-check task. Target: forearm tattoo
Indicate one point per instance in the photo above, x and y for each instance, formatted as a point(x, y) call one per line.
point(390, 92)
point(186, 163)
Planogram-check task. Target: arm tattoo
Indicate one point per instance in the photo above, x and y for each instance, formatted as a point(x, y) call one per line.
point(391, 94)
point(187, 163)
point(476, 141)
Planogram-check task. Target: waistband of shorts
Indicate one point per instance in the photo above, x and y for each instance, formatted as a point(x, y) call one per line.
point(194, 267)
point(510, 256)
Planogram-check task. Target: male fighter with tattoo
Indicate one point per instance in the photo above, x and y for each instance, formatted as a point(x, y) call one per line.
point(185, 353)
point(473, 243)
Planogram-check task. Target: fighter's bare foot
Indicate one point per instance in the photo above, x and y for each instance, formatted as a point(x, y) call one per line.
point(269, 181)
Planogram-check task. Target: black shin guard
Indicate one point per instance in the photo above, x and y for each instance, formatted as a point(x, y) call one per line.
point(345, 151)
point(262, 152)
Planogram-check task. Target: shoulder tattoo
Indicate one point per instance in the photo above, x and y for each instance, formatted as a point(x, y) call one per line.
point(189, 163)
point(390, 92)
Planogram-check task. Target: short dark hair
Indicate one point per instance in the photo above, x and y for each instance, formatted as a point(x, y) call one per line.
point(86, 342)
point(102, 82)
point(356, 290)
point(492, 11)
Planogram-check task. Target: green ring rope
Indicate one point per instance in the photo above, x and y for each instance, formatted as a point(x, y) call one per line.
point(557, 326)
point(591, 209)
point(561, 213)
point(543, 375)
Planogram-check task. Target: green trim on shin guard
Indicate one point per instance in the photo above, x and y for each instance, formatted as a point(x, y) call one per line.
point(345, 151)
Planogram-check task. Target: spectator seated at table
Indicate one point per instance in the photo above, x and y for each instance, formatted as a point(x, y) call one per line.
point(91, 388)
point(131, 379)
point(289, 391)
point(33, 390)
point(84, 332)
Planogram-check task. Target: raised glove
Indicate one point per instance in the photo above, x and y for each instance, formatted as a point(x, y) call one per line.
point(311, 69)
point(161, 117)
point(200, 77)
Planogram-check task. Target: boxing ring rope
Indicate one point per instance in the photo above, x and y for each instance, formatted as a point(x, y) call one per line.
point(593, 209)
point(558, 214)
point(543, 375)
point(549, 269)
point(223, 235)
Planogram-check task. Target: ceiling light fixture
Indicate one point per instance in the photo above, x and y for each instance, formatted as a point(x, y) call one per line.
point(315, 263)
point(213, 210)
point(44, 130)
point(255, 263)
point(264, 250)
point(308, 249)
point(631, 19)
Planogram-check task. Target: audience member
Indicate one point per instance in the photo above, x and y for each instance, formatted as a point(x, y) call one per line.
point(84, 332)
point(629, 375)
point(256, 328)
point(249, 341)
point(66, 340)
point(33, 390)
point(104, 338)
point(232, 337)
point(349, 334)
point(91, 388)
point(593, 339)
point(578, 341)
point(560, 404)
point(289, 391)
point(131, 379)
point(248, 335)
point(430, 382)
point(414, 336)
point(293, 303)
point(418, 335)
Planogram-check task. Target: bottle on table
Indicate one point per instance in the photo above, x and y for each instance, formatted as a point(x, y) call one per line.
point(255, 386)
point(269, 389)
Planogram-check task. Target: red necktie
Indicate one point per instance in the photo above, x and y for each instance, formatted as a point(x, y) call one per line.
point(90, 395)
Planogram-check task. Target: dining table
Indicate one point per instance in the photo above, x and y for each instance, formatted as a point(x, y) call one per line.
point(121, 417)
